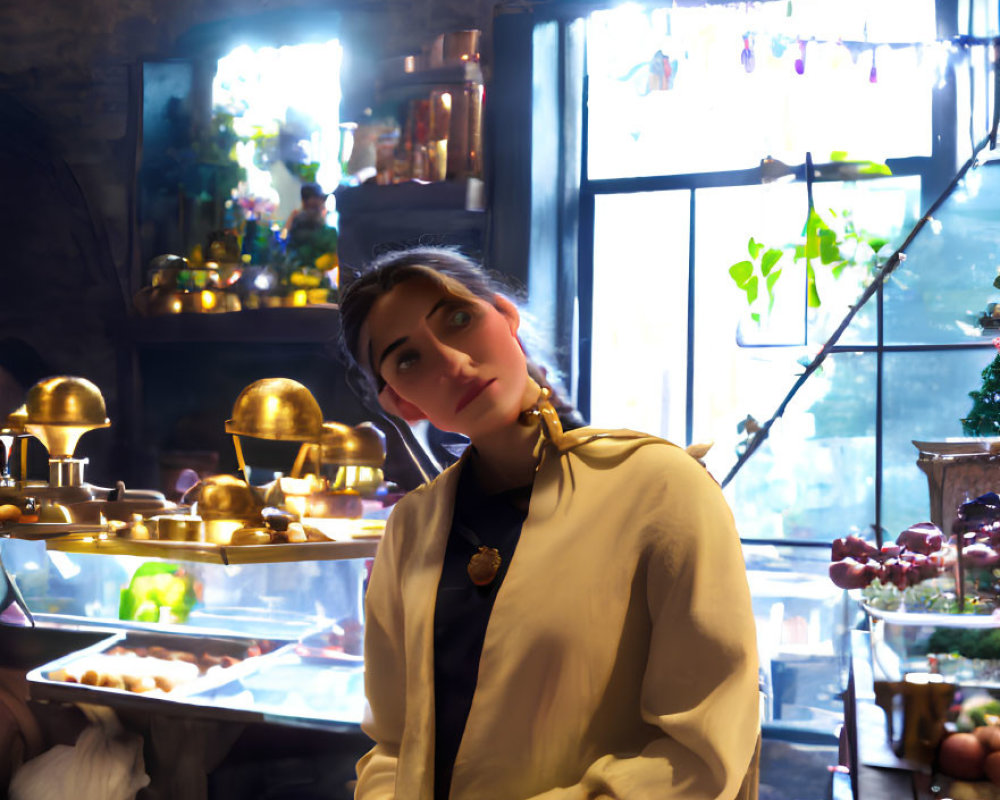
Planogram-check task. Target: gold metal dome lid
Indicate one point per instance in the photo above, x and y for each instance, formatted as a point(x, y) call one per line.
point(66, 400)
point(226, 497)
point(361, 446)
point(276, 408)
point(16, 419)
point(61, 409)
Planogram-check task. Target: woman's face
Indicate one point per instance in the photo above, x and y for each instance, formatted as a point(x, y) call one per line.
point(454, 360)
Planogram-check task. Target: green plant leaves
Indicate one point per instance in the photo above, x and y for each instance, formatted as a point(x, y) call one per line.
point(812, 297)
point(834, 249)
point(767, 263)
point(873, 168)
point(876, 243)
point(771, 280)
point(741, 272)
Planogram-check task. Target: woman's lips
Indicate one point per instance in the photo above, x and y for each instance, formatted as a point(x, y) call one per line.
point(474, 391)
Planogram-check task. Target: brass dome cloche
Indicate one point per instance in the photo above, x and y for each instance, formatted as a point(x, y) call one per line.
point(225, 497)
point(276, 408)
point(16, 419)
point(361, 446)
point(61, 409)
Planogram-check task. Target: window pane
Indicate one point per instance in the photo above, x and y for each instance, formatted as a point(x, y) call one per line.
point(863, 214)
point(925, 395)
point(726, 219)
point(813, 476)
point(938, 294)
point(670, 92)
point(639, 356)
point(802, 624)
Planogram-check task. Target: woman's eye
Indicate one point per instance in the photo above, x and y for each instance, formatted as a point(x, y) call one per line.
point(406, 361)
point(460, 318)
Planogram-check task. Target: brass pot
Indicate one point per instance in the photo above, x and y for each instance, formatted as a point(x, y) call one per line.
point(220, 531)
point(179, 528)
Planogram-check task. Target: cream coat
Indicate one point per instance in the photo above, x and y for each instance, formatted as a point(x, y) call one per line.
point(620, 658)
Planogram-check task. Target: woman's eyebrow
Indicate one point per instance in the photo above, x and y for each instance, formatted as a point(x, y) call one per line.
point(397, 343)
point(388, 351)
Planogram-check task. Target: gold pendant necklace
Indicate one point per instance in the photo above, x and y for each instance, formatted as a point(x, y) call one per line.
point(483, 565)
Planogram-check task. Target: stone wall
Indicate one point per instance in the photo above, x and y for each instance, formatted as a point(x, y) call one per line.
point(69, 89)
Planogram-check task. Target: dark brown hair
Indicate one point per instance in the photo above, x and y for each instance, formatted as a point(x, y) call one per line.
point(455, 272)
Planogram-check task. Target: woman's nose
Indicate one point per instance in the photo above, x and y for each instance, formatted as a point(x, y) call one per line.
point(454, 362)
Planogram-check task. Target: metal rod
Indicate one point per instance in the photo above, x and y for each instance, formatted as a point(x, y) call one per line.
point(239, 459)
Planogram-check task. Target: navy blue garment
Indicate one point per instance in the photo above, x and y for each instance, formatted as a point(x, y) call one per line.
point(463, 610)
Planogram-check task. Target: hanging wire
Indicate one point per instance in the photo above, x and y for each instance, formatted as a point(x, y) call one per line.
point(996, 94)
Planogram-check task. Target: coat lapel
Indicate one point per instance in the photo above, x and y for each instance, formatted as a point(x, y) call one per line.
point(419, 594)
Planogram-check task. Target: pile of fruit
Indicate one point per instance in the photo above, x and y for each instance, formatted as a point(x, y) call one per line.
point(917, 555)
point(894, 572)
point(971, 755)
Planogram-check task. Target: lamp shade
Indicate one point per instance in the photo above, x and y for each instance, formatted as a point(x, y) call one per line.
point(276, 408)
point(61, 409)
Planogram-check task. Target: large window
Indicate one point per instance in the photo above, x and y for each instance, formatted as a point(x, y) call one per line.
point(715, 130)
point(696, 89)
point(715, 135)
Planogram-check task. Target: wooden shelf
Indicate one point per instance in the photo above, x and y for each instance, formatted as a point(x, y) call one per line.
point(411, 197)
point(450, 74)
point(311, 324)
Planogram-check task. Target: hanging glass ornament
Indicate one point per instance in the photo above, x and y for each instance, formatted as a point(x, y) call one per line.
point(873, 74)
point(778, 45)
point(747, 58)
point(800, 62)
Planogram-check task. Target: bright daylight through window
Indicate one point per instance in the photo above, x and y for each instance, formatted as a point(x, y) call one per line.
point(283, 104)
point(683, 103)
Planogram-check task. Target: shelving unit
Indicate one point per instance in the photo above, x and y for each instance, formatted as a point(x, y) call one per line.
point(182, 373)
point(374, 219)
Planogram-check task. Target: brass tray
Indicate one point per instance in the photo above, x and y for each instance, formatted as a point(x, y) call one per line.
point(49, 530)
point(207, 552)
point(73, 537)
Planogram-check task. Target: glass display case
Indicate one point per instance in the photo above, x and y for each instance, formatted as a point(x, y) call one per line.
point(803, 622)
point(269, 633)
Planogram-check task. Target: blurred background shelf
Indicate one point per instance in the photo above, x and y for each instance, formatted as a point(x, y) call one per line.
point(310, 324)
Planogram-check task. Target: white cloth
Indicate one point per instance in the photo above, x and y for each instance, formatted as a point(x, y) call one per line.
point(98, 767)
point(620, 657)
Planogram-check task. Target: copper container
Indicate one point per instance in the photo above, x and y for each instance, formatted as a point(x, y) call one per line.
point(276, 408)
point(61, 409)
point(179, 528)
point(454, 47)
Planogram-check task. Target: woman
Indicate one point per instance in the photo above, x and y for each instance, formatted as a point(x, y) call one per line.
point(559, 615)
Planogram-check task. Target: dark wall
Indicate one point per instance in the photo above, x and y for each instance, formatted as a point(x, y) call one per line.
point(69, 132)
